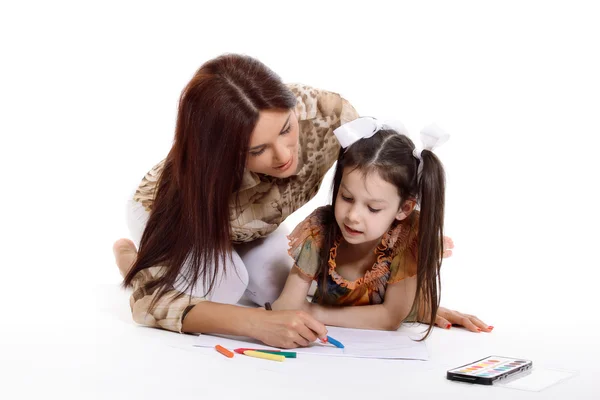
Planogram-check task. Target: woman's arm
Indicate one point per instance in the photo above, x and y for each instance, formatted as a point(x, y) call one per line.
point(387, 316)
point(286, 329)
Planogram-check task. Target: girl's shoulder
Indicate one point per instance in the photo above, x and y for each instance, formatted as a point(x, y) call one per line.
point(403, 235)
point(402, 247)
point(306, 241)
point(312, 227)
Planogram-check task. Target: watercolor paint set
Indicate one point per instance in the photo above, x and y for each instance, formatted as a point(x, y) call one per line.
point(489, 370)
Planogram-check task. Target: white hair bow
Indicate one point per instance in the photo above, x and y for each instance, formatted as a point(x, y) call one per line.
point(432, 136)
point(363, 128)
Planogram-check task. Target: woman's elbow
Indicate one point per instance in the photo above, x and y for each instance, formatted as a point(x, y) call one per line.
point(140, 312)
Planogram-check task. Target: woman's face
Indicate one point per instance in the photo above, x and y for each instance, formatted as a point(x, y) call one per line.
point(273, 148)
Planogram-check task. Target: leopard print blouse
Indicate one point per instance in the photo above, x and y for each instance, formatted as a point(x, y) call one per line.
point(264, 201)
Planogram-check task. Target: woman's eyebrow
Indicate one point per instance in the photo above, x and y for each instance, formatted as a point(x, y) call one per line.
point(282, 129)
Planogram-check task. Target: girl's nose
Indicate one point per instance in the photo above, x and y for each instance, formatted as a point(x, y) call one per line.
point(353, 214)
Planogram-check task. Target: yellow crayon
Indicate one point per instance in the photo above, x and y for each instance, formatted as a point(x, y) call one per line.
point(266, 356)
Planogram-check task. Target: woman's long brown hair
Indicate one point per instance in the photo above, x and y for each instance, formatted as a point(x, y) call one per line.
point(189, 223)
point(391, 155)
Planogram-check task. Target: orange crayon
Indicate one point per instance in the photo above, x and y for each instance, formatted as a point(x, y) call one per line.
point(224, 351)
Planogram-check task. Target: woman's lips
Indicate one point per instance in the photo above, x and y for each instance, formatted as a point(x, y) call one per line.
point(285, 166)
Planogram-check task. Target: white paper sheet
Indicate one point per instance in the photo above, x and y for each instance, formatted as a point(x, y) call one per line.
point(357, 343)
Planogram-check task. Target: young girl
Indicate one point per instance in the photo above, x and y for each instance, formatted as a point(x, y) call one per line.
point(371, 247)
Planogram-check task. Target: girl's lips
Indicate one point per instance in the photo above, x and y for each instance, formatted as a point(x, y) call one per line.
point(351, 231)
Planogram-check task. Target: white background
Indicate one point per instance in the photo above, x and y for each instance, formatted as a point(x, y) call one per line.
point(88, 95)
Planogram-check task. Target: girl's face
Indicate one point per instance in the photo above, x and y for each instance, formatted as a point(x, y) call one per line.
point(274, 145)
point(366, 206)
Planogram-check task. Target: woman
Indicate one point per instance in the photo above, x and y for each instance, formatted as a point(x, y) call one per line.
point(248, 151)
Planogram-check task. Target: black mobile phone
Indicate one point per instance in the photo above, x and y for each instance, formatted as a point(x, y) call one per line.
point(489, 370)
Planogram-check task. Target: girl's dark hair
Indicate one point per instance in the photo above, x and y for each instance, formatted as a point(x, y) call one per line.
point(190, 217)
point(390, 154)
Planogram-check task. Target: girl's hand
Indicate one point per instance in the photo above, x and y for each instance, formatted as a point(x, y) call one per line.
point(288, 329)
point(448, 246)
point(446, 318)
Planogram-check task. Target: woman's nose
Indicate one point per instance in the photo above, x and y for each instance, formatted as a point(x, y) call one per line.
point(280, 152)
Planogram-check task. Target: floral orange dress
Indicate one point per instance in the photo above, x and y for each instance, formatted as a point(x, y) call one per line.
point(396, 260)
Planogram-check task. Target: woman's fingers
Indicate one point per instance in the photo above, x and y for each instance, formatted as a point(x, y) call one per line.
point(315, 326)
point(306, 335)
point(288, 329)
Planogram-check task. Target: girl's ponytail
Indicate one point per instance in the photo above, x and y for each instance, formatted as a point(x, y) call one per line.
point(432, 185)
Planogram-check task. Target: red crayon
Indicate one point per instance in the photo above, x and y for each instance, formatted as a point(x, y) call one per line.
point(241, 351)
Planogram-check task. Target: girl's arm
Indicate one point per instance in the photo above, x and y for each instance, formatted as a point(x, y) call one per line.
point(293, 296)
point(387, 316)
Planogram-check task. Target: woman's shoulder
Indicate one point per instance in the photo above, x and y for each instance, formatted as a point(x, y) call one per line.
point(313, 103)
point(319, 113)
point(147, 187)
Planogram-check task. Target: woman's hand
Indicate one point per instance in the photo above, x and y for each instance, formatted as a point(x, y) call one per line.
point(446, 318)
point(288, 329)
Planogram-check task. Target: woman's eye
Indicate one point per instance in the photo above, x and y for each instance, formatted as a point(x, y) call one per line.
point(287, 130)
point(257, 153)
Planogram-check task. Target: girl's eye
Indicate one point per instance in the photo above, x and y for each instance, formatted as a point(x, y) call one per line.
point(348, 199)
point(257, 153)
point(373, 210)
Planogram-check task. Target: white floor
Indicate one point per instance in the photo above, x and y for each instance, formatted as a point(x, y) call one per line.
point(102, 354)
point(88, 102)
point(119, 360)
